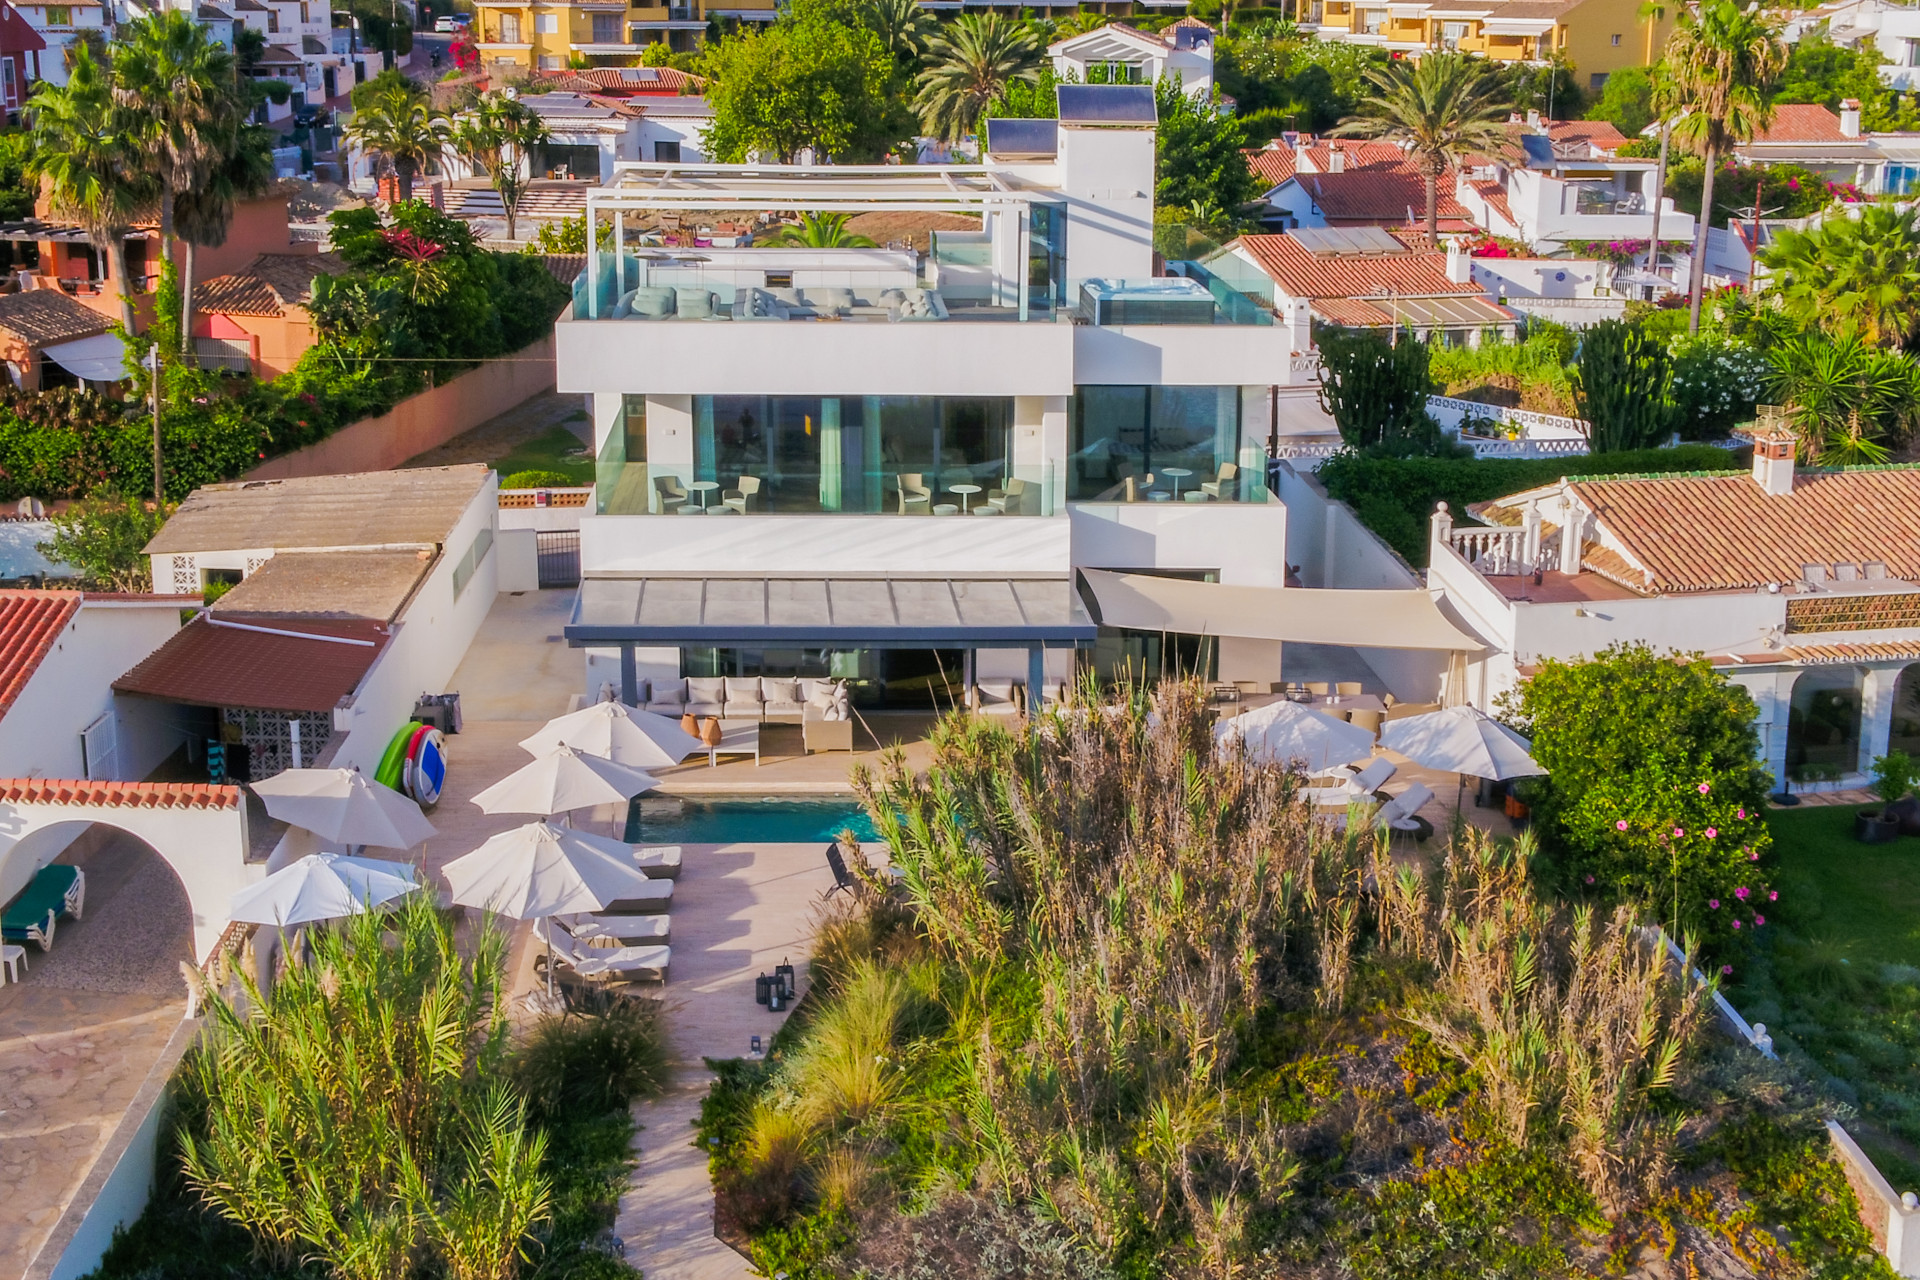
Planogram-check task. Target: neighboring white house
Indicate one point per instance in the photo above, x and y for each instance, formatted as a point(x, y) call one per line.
point(889, 467)
point(1127, 55)
point(1894, 29)
point(60, 25)
point(1804, 587)
point(1561, 183)
point(59, 716)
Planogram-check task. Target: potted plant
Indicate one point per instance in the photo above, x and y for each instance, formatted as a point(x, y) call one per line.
point(1892, 779)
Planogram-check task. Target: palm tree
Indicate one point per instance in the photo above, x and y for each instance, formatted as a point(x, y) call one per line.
point(902, 25)
point(973, 62)
point(1443, 107)
point(1722, 62)
point(181, 88)
point(818, 231)
point(497, 137)
point(399, 123)
point(1844, 396)
point(86, 147)
point(203, 213)
point(1859, 275)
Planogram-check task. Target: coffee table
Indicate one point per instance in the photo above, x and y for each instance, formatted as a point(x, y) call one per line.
point(1176, 474)
point(966, 492)
point(737, 738)
point(703, 488)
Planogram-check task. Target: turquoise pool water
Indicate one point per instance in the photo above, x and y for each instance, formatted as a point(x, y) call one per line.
point(781, 819)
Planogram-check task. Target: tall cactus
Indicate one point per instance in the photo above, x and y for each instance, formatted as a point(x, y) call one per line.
point(1376, 391)
point(1623, 385)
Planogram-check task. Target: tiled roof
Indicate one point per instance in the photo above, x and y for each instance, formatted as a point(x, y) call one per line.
point(1803, 122)
point(1818, 654)
point(1382, 194)
point(1494, 194)
point(278, 55)
point(620, 80)
point(288, 666)
point(1458, 312)
point(41, 317)
point(1723, 532)
point(1600, 134)
point(1301, 274)
point(120, 795)
point(268, 285)
point(414, 506)
point(30, 624)
point(1278, 163)
point(565, 267)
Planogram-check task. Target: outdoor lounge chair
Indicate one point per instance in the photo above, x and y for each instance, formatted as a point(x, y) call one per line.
point(915, 496)
point(23, 926)
point(55, 891)
point(619, 963)
point(1222, 485)
point(1402, 812)
point(1355, 785)
point(658, 862)
point(672, 496)
point(1014, 499)
point(995, 698)
point(616, 931)
point(657, 897)
point(745, 498)
point(837, 863)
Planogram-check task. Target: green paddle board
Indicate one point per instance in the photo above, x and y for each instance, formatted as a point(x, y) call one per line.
point(393, 762)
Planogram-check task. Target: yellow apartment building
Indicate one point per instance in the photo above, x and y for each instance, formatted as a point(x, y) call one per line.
point(1598, 37)
point(518, 36)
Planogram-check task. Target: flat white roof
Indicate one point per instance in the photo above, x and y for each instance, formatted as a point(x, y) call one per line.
point(841, 187)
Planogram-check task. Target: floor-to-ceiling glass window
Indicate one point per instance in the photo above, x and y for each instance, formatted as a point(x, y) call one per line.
point(1156, 444)
point(876, 679)
point(1823, 725)
point(863, 454)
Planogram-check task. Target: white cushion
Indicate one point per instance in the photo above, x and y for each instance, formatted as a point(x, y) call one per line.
point(743, 689)
point(772, 690)
point(706, 689)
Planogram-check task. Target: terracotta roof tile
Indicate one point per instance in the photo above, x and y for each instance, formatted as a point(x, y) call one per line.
point(1723, 532)
point(1380, 195)
point(1816, 654)
point(1600, 134)
point(1803, 122)
point(289, 666)
point(30, 624)
point(661, 80)
point(1494, 194)
point(268, 285)
point(122, 795)
point(42, 317)
point(1277, 164)
point(1302, 274)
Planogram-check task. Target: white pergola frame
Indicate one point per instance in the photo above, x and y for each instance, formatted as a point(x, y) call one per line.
point(642, 186)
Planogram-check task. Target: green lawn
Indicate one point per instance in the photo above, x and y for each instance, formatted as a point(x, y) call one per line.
point(1867, 895)
point(1838, 981)
point(558, 450)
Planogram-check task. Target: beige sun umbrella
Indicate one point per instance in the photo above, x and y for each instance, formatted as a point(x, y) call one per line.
point(344, 806)
point(561, 780)
point(612, 731)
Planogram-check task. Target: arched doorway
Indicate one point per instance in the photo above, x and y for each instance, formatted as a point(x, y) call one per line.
point(1823, 724)
point(1906, 713)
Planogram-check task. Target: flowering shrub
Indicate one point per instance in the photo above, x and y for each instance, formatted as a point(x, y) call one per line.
point(1621, 253)
point(1716, 382)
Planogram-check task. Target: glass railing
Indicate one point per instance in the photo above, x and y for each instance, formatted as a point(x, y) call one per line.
point(1234, 306)
point(1200, 480)
point(988, 490)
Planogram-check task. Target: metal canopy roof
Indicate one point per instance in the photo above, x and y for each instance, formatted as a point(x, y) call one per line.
point(900, 613)
point(854, 188)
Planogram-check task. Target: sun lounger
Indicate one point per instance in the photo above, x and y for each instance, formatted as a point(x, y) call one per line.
point(55, 891)
point(596, 962)
point(657, 898)
point(619, 931)
point(1402, 812)
point(658, 862)
point(1350, 785)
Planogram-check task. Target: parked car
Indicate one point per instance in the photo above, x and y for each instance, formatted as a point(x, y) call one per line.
point(453, 23)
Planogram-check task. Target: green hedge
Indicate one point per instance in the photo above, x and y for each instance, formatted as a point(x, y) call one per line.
point(1394, 497)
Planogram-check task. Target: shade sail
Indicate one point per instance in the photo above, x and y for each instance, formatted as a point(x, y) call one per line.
point(101, 358)
point(1304, 615)
point(982, 613)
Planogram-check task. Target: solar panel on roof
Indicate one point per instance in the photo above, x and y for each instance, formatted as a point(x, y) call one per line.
point(1538, 150)
point(1009, 138)
point(1332, 241)
point(1106, 104)
point(639, 75)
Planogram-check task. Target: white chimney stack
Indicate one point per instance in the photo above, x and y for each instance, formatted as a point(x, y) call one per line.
point(1459, 265)
point(1337, 163)
point(1773, 446)
point(1533, 119)
point(1850, 117)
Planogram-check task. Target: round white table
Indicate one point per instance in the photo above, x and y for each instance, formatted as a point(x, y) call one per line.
point(703, 488)
point(966, 491)
point(1176, 474)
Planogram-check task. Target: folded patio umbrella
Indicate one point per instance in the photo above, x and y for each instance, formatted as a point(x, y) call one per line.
point(1461, 740)
point(344, 805)
point(563, 779)
point(1285, 731)
point(622, 734)
point(542, 870)
point(322, 886)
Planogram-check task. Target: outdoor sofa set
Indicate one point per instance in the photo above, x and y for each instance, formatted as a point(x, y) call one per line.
point(628, 939)
point(696, 302)
point(818, 706)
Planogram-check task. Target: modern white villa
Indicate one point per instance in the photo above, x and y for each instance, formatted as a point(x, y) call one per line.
point(889, 466)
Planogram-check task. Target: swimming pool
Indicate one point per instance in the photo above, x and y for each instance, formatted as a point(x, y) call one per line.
point(739, 820)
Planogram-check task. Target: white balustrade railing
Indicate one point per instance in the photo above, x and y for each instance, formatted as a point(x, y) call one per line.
point(1450, 411)
point(1495, 550)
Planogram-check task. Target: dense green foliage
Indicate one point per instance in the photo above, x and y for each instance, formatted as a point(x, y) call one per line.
point(1395, 497)
point(1784, 190)
point(1626, 100)
point(1652, 794)
point(1376, 391)
point(1200, 160)
point(1622, 387)
point(358, 1123)
point(1128, 1014)
point(1851, 276)
point(421, 304)
point(815, 79)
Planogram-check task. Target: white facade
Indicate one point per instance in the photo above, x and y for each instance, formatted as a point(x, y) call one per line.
point(60, 25)
point(1129, 56)
point(824, 401)
point(1894, 29)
